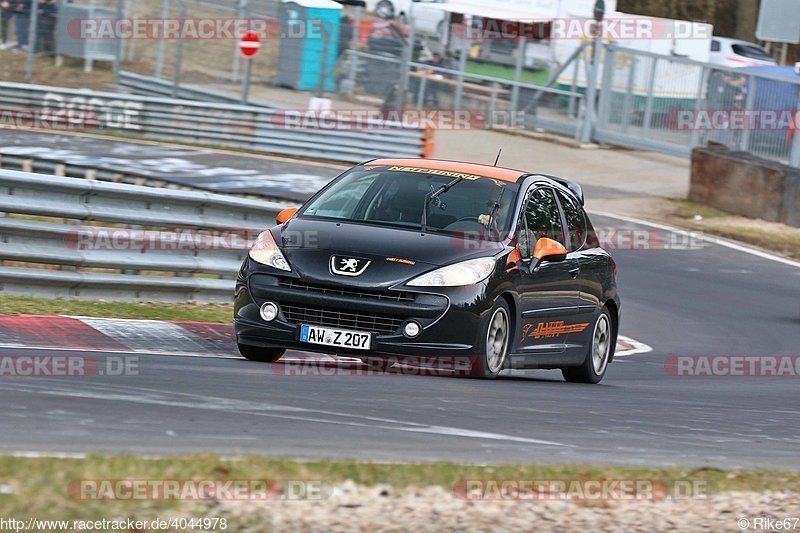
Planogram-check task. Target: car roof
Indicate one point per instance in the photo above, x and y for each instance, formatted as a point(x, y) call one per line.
point(504, 174)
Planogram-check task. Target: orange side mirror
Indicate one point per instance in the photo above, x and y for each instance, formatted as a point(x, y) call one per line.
point(285, 215)
point(549, 250)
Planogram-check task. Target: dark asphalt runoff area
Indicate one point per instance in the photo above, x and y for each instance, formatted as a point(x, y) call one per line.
point(711, 300)
point(214, 170)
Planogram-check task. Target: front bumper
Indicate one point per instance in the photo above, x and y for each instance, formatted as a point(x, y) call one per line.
point(450, 316)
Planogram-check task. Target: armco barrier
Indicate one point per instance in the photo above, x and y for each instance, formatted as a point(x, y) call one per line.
point(62, 256)
point(214, 124)
point(150, 86)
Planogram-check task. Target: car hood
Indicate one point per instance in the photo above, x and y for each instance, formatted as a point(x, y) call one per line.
point(395, 255)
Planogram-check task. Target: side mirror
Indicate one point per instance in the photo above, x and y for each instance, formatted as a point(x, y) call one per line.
point(285, 215)
point(548, 250)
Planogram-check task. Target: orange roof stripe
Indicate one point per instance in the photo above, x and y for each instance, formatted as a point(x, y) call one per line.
point(505, 174)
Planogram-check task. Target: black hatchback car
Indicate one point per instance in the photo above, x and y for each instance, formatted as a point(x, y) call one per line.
point(430, 259)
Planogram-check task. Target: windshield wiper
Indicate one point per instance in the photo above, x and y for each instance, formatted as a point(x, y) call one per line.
point(430, 196)
point(494, 209)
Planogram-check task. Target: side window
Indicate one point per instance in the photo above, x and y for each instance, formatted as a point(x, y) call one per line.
point(715, 47)
point(576, 222)
point(542, 218)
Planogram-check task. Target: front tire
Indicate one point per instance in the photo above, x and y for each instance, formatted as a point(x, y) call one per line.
point(495, 343)
point(598, 354)
point(260, 354)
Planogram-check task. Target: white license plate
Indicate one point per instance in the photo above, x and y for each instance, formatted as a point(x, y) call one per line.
point(342, 338)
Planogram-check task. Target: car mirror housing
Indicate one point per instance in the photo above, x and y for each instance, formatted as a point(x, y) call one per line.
point(285, 215)
point(548, 250)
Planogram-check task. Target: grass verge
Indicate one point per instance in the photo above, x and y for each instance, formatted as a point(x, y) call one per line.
point(779, 238)
point(39, 486)
point(28, 305)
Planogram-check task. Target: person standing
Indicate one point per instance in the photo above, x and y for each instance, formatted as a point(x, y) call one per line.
point(22, 14)
point(45, 26)
point(6, 15)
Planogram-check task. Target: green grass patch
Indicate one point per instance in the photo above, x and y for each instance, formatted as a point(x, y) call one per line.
point(39, 486)
point(779, 238)
point(28, 305)
point(536, 77)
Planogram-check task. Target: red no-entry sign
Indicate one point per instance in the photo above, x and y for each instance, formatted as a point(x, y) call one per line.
point(250, 44)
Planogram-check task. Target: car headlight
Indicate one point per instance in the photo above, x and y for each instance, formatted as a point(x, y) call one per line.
point(266, 252)
point(463, 273)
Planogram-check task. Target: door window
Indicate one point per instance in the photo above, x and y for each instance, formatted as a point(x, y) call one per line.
point(576, 222)
point(542, 219)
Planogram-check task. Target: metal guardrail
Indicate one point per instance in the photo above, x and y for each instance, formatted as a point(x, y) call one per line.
point(212, 124)
point(71, 237)
point(151, 86)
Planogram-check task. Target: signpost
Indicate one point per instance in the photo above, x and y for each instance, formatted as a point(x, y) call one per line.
point(599, 13)
point(249, 46)
point(778, 22)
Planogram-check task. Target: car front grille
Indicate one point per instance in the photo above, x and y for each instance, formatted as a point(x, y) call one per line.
point(337, 318)
point(394, 296)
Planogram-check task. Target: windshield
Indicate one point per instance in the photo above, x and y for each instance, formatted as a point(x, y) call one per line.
point(396, 197)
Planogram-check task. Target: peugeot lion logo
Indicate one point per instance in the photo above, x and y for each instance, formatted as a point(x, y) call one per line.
point(348, 266)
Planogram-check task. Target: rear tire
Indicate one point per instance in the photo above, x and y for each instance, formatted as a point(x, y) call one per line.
point(260, 354)
point(598, 354)
point(496, 335)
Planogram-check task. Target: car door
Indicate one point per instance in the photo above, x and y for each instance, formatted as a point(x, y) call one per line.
point(583, 266)
point(548, 294)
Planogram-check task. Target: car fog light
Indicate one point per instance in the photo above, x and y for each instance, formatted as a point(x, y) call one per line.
point(269, 311)
point(411, 329)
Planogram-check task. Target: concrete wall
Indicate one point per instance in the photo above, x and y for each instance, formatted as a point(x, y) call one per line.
point(744, 184)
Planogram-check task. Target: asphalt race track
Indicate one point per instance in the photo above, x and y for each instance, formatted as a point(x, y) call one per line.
point(640, 414)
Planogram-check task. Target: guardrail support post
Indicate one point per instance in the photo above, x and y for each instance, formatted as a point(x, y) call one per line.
point(161, 42)
point(744, 140)
point(648, 106)
point(626, 101)
point(523, 43)
point(462, 66)
point(794, 154)
point(590, 116)
point(423, 84)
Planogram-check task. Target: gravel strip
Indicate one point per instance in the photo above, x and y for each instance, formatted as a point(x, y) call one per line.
point(349, 507)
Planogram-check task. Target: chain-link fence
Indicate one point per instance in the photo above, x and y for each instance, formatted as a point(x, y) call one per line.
point(673, 104)
point(645, 100)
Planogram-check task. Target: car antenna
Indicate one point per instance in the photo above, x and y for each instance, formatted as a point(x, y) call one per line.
point(496, 159)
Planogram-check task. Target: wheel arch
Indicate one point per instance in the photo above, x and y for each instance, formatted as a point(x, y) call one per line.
point(613, 310)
